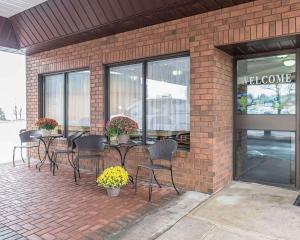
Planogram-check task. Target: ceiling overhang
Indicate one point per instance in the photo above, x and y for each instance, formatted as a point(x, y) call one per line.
point(262, 46)
point(57, 23)
point(7, 34)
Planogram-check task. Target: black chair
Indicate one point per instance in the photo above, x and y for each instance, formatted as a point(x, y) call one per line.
point(161, 150)
point(90, 147)
point(70, 150)
point(28, 141)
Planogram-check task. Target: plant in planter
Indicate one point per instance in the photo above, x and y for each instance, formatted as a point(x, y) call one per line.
point(113, 179)
point(121, 127)
point(47, 125)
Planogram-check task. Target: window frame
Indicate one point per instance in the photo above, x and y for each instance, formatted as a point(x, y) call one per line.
point(41, 80)
point(144, 62)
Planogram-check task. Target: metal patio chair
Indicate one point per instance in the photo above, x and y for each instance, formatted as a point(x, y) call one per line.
point(161, 150)
point(28, 141)
point(90, 147)
point(70, 150)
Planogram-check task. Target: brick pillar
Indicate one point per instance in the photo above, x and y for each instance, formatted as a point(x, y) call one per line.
point(223, 121)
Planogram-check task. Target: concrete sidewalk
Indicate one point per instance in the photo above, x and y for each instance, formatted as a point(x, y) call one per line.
point(241, 211)
point(161, 220)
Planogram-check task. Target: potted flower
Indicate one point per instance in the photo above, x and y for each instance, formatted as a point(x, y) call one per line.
point(121, 127)
point(113, 179)
point(46, 125)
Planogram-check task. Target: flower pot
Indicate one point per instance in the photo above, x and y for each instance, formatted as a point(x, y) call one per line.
point(123, 139)
point(113, 192)
point(46, 132)
point(113, 139)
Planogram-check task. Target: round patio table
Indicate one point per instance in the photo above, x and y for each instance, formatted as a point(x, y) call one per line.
point(127, 147)
point(47, 141)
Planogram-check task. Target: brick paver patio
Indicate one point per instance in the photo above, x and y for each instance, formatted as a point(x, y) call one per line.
point(36, 205)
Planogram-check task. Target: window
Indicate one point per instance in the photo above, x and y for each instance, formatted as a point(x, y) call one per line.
point(266, 85)
point(126, 91)
point(156, 95)
point(66, 98)
point(266, 156)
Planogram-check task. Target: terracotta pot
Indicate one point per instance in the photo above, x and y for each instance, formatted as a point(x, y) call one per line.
point(113, 192)
point(123, 139)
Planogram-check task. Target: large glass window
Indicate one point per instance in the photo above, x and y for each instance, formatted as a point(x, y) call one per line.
point(168, 103)
point(66, 98)
point(166, 98)
point(54, 98)
point(267, 157)
point(266, 85)
point(126, 91)
point(78, 101)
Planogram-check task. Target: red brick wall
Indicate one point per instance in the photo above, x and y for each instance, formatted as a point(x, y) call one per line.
point(208, 166)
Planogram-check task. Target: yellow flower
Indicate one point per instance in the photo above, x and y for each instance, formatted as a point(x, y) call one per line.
point(113, 177)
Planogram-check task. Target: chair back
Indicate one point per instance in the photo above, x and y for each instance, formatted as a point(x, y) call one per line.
point(94, 143)
point(162, 150)
point(28, 136)
point(71, 139)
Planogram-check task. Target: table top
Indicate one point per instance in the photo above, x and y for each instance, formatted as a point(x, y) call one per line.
point(54, 135)
point(129, 144)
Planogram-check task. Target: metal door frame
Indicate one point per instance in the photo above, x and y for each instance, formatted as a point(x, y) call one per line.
point(257, 120)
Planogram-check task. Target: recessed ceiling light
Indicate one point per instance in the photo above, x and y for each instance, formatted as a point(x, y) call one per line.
point(282, 56)
point(177, 72)
point(134, 78)
point(115, 73)
point(289, 63)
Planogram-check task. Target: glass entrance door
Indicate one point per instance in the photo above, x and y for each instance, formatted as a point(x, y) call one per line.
point(266, 120)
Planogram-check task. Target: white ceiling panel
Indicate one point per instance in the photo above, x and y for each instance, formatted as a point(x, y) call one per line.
point(9, 8)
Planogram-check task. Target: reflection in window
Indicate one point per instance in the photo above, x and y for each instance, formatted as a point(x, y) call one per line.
point(77, 94)
point(168, 104)
point(266, 156)
point(78, 101)
point(54, 98)
point(126, 90)
point(266, 85)
point(167, 98)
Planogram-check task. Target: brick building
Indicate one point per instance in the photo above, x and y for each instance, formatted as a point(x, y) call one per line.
point(235, 116)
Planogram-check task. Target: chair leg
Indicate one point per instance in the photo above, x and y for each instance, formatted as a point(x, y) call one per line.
point(53, 157)
point(51, 163)
point(77, 166)
point(173, 182)
point(75, 163)
point(156, 179)
point(136, 177)
point(102, 164)
point(75, 177)
point(22, 155)
point(28, 158)
point(150, 185)
point(14, 152)
point(39, 151)
point(97, 168)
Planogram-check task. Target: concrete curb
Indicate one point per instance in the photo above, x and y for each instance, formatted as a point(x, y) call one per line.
point(158, 222)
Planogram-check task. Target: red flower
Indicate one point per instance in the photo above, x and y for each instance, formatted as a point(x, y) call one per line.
point(121, 125)
point(47, 123)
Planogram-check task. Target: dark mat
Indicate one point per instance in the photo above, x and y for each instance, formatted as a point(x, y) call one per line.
point(297, 202)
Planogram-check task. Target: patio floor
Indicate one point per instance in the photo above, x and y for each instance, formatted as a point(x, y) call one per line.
point(37, 205)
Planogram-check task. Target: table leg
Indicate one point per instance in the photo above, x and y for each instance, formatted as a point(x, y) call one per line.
point(42, 160)
point(47, 154)
point(123, 158)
